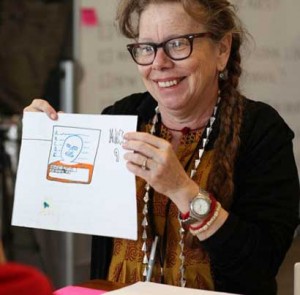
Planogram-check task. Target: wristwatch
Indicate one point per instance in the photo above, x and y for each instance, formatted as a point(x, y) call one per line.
point(199, 208)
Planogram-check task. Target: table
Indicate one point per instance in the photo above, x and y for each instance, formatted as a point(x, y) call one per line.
point(102, 285)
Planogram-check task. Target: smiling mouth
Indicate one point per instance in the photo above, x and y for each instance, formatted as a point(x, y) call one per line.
point(170, 83)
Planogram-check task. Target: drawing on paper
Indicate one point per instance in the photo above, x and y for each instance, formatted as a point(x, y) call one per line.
point(72, 154)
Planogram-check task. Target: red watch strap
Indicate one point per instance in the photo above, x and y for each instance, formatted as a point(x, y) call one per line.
point(185, 216)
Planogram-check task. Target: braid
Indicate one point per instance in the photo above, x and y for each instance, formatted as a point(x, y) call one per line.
point(227, 144)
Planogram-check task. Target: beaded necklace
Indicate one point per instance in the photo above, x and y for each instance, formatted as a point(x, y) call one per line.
point(145, 222)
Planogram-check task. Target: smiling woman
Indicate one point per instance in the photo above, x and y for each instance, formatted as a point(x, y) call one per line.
point(208, 161)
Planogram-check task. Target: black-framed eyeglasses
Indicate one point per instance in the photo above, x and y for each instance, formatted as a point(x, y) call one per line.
point(178, 48)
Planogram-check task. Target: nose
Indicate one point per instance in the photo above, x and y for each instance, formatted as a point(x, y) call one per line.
point(161, 60)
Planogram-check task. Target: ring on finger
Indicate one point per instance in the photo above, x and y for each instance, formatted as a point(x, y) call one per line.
point(144, 165)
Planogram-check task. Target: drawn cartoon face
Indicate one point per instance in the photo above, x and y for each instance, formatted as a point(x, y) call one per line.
point(71, 149)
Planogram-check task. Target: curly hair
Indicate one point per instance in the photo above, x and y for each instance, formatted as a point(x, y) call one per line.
point(219, 18)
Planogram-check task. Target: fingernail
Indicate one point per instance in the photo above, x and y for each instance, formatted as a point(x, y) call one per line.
point(53, 116)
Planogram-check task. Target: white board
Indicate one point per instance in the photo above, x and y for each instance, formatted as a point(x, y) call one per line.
point(271, 64)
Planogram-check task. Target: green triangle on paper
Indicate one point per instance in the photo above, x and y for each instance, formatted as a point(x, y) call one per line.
point(46, 205)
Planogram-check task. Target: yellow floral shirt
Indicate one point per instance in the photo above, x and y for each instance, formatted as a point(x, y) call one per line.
point(126, 264)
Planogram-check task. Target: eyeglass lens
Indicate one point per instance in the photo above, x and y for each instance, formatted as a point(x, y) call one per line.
point(179, 48)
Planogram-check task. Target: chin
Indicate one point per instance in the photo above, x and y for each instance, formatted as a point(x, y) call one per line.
point(171, 105)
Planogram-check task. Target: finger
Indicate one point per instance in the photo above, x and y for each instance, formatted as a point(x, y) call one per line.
point(147, 138)
point(140, 151)
point(139, 171)
point(41, 105)
point(148, 145)
point(138, 159)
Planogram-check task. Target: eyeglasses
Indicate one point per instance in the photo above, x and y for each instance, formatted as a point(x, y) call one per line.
point(178, 48)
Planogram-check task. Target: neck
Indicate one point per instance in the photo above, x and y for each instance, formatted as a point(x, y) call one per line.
point(184, 130)
point(180, 120)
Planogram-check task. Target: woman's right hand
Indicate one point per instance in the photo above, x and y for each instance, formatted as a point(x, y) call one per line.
point(41, 105)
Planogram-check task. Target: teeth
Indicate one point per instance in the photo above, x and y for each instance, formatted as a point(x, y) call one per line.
point(167, 83)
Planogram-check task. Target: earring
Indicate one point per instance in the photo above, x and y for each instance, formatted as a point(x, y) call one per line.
point(223, 75)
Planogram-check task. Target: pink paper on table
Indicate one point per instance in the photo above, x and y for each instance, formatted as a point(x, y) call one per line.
point(89, 17)
point(73, 290)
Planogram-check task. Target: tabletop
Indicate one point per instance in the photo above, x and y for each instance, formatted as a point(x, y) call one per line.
point(102, 285)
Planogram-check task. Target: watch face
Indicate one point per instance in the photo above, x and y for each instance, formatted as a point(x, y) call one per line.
point(201, 206)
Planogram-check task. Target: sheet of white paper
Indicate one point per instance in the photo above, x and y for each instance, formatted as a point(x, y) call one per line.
point(72, 176)
point(148, 288)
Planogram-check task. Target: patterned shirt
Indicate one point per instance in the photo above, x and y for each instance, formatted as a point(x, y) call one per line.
point(127, 261)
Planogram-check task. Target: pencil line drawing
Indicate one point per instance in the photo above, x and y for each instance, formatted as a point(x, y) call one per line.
point(72, 154)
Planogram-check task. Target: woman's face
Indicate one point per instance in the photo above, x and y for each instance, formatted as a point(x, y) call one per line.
point(196, 77)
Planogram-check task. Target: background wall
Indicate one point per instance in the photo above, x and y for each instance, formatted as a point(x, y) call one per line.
point(106, 71)
point(271, 61)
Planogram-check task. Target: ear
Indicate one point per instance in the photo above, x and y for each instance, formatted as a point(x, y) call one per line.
point(224, 48)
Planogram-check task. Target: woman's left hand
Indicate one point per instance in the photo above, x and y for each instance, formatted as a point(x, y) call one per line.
point(154, 160)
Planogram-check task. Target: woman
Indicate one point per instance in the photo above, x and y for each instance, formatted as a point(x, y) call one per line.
point(216, 176)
